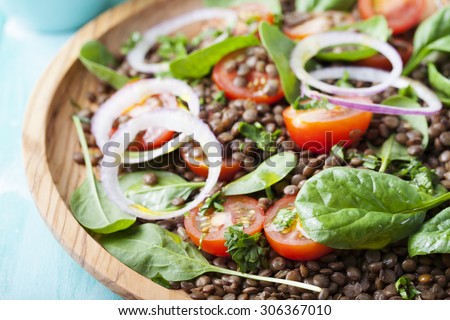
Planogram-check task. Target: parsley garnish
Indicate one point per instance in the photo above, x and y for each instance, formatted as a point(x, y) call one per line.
point(264, 140)
point(305, 103)
point(220, 97)
point(285, 218)
point(215, 201)
point(131, 42)
point(248, 251)
point(422, 177)
point(344, 81)
point(172, 47)
point(406, 289)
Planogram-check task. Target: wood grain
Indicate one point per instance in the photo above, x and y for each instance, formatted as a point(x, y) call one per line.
point(49, 141)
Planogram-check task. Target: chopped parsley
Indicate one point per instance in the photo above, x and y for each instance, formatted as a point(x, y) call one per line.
point(248, 251)
point(344, 81)
point(130, 43)
point(421, 177)
point(220, 97)
point(408, 92)
point(406, 289)
point(285, 218)
point(215, 201)
point(264, 140)
point(305, 103)
point(172, 47)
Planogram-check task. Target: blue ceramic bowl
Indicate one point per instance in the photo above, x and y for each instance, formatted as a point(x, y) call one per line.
point(54, 15)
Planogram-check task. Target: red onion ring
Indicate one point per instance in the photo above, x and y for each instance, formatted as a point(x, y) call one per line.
point(136, 57)
point(310, 46)
point(171, 119)
point(371, 74)
point(133, 93)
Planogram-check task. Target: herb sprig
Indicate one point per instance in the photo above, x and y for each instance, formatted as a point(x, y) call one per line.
point(264, 140)
point(406, 288)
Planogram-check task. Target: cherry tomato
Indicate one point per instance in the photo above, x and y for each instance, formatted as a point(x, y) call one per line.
point(318, 22)
point(291, 243)
point(151, 138)
point(317, 130)
point(249, 16)
point(197, 164)
point(253, 90)
point(401, 15)
point(211, 227)
point(379, 61)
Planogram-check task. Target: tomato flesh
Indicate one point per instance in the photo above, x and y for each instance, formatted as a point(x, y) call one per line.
point(401, 15)
point(198, 165)
point(211, 227)
point(151, 138)
point(379, 61)
point(253, 90)
point(292, 244)
point(317, 130)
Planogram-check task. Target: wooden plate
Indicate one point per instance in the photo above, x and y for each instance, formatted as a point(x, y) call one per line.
point(49, 141)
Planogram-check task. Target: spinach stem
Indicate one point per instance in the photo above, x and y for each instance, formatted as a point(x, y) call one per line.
point(384, 165)
point(269, 193)
point(300, 285)
point(431, 203)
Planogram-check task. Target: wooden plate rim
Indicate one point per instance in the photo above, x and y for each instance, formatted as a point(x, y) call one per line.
point(83, 248)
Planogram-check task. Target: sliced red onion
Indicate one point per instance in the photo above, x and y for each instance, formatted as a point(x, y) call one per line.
point(374, 75)
point(134, 93)
point(310, 46)
point(136, 57)
point(171, 119)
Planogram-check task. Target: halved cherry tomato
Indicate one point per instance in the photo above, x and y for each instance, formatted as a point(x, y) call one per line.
point(291, 243)
point(317, 23)
point(211, 227)
point(401, 15)
point(317, 130)
point(151, 138)
point(254, 89)
point(379, 61)
point(197, 164)
point(249, 15)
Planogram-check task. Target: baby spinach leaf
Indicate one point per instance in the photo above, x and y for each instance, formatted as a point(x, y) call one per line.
point(265, 175)
point(349, 208)
point(324, 5)
point(279, 48)
point(155, 252)
point(272, 5)
point(376, 27)
point(159, 196)
point(432, 237)
point(439, 83)
point(199, 63)
point(433, 34)
point(391, 150)
point(90, 204)
point(99, 61)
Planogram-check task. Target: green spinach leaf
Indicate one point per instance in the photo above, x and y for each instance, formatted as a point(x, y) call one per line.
point(155, 252)
point(90, 204)
point(433, 34)
point(248, 251)
point(279, 48)
point(324, 5)
point(159, 196)
point(265, 175)
point(215, 201)
point(432, 237)
point(391, 150)
point(376, 27)
point(199, 63)
point(439, 83)
point(349, 208)
point(99, 61)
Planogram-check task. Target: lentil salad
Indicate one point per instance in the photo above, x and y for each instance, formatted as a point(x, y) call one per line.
point(243, 103)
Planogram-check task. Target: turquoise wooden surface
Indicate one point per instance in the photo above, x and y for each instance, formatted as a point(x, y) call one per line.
point(32, 263)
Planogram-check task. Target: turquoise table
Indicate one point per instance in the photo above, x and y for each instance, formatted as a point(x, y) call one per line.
point(32, 263)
